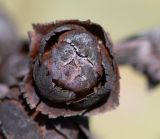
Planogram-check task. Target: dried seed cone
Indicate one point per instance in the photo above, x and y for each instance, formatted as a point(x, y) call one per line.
point(72, 71)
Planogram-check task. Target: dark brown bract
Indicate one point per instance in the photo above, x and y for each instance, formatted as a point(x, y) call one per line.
point(72, 71)
point(18, 122)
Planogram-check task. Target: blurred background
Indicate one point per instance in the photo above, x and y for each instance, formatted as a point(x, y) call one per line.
point(138, 116)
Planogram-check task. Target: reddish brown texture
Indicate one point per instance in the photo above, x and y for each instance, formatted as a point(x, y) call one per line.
point(73, 70)
point(73, 66)
point(12, 113)
point(17, 121)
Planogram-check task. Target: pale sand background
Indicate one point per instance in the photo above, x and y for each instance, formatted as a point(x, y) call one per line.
point(138, 116)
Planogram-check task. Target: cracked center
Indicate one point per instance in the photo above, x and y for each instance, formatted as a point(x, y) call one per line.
point(75, 61)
